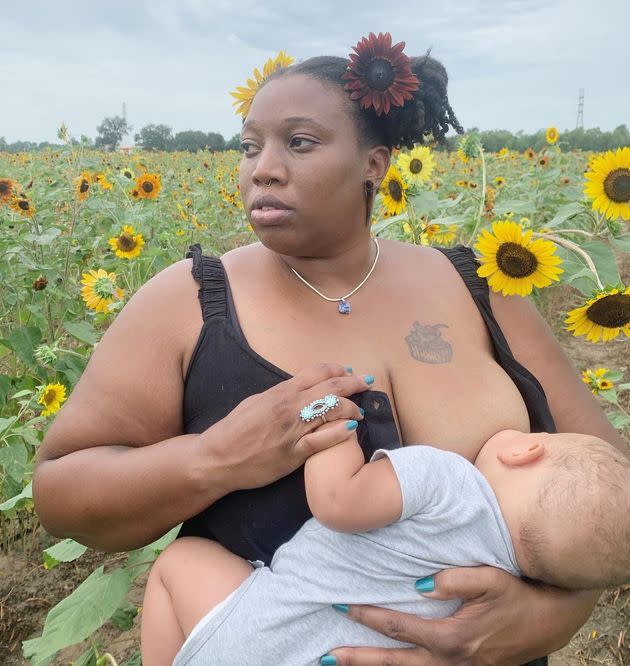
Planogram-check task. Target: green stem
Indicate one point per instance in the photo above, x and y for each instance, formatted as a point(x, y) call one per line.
point(483, 198)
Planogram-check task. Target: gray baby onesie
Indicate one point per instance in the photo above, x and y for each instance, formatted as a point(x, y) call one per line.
point(282, 614)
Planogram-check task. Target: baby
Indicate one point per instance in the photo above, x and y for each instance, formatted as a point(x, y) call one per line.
point(551, 507)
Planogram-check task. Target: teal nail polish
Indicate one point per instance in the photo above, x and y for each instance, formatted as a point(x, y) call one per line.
point(425, 584)
point(362, 411)
point(369, 379)
point(348, 369)
point(352, 425)
point(328, 660)
point(342, 608)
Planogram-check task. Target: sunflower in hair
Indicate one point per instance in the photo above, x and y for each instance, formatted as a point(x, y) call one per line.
point(417, 165)
point(245, 94)
point(608, 184)
point(394, 192)
point(379, 75)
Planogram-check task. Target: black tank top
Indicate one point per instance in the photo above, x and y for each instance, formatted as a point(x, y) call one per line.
point(224, 370)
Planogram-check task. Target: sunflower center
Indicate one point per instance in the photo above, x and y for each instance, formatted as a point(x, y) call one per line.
point(612, 311)
point(4, 188)
point(23, 204)
point(395, 190)
point(516, 261)
point(147, 186)
point(84, 187)
point(415, 166)
point(127, 174)
point(103, 287)
point(380, 74)
point(50, 396)
point(617, 185)
point(126, 242)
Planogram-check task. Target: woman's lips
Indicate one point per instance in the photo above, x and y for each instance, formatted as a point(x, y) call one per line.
point(269, 216)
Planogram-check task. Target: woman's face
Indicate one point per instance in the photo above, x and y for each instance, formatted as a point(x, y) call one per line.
point(300, 136)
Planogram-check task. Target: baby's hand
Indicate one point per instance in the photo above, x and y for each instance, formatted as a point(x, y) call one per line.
point(328, 435)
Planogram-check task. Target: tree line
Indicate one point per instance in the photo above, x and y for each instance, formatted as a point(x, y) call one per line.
point(112, 131)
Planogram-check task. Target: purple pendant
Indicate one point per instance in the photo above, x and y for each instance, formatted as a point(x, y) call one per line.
point(344, 307)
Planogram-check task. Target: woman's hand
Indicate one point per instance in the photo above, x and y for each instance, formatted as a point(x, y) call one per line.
point(502, 621)
point(264, 438)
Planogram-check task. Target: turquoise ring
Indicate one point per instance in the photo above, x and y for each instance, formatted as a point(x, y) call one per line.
point(319, 407)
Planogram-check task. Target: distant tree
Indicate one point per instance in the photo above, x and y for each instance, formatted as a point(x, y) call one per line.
point(215, 141)
point(3, 143)
point(192, 140)
point(155, 137)
point(86, 140)
point(110, 132)
point(234, 143)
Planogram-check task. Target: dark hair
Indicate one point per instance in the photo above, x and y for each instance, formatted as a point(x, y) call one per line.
point(428, 113)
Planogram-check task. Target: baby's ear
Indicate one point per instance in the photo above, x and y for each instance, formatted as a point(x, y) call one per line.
point(521, 453)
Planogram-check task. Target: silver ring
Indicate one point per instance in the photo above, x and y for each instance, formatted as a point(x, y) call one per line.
point(323, 418)
point(318, 407)
point(269, 183)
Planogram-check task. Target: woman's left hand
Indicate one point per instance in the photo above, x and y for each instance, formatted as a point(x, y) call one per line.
point(503, 620)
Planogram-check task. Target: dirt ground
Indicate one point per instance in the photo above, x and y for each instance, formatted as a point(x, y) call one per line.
point(28, 591)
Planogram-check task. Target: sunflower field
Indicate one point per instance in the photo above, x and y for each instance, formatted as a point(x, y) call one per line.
point(82, 230)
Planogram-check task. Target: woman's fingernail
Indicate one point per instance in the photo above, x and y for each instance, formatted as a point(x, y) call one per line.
point(362, 411)
point(352, 425)
point(342, 608)
point(328, 660)
point(348, 369)
point(425, 584)
point(369, 379)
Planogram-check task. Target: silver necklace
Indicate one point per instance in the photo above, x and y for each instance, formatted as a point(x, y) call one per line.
point(344, 306)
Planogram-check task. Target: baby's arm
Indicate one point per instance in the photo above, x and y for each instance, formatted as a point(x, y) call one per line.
point(344, 493)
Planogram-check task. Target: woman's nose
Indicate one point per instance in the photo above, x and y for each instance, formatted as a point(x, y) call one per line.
point(269, 166)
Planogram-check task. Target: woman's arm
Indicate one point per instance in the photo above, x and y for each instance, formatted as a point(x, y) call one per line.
point(115, 471)
point(343, 492)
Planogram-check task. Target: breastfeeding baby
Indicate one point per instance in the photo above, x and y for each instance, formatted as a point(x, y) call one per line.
point(549, 507)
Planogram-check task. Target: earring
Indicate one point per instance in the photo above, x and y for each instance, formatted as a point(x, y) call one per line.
point(369, 187)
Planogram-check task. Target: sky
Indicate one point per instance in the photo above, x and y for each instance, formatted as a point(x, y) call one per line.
point(512, 64)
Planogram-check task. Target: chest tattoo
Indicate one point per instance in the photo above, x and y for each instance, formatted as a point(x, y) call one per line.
point(427, 345)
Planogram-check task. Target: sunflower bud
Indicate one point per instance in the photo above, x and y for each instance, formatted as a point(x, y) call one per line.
point(470, 145)
point(45, 354)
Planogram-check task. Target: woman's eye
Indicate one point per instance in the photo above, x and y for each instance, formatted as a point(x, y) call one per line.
point(247, 148)
point(300, 140)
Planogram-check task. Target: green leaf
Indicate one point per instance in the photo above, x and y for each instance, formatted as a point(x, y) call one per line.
point(135, 660)
point(13, 460)
point(623, 387)
point(21, 394)
point(140, 560)
point(67, 550)
point(21, 499)
point(619, 419)
point(425, 202)
point(5, 387)
point(29, 650)
point(514, 206)
point(123, 617)
point(563, 214)
point(610, 395)
point(77, 616)
point(622, 242)
point(88, 658)
point(81, 330)
point(22, 341)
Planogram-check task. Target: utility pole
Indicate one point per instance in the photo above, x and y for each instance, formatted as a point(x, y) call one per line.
point(580, 113)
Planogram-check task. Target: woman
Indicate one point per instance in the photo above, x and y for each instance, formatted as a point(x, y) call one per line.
point(192, 414)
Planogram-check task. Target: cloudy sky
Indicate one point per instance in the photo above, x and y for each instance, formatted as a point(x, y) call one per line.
point(513, 64)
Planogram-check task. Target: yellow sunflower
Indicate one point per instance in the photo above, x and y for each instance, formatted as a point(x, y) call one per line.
point(417, 165)
point(52, 396)
point(83, 184)
point(245, 94)
point(500, 181)
point(543, 161)
point(394, 191)
point(441, 234)
point(602, 317)
point(101, 179)
point(100, 290)
point(504, 152)
point(148, 185)
point(20, 204)
point(462, 183)
point(609, 184)
point(8, 189)
point(127, 245)
point(462, 156)
point(513, 262)
point(127, 173)
point(551, 135)
point(530, 154)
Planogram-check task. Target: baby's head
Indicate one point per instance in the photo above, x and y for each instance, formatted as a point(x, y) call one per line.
point(566, 500)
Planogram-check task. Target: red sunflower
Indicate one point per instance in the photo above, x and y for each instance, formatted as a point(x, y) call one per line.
point(379, 74)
